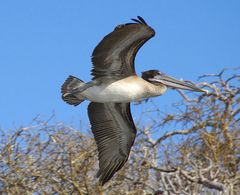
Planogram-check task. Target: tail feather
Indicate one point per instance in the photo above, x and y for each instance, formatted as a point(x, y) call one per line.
point(72, 83)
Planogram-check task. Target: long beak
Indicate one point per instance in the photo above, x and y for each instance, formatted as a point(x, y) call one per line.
point(176, 84)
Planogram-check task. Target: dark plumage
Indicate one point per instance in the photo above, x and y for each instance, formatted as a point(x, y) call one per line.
point(115, 54)
point(114, 132)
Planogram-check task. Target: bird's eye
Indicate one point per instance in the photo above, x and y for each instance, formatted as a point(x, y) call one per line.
point(160, 73)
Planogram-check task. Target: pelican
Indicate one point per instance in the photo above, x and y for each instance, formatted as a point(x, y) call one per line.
point(114, 85)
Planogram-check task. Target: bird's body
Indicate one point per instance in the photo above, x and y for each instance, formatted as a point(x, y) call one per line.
point(129, 89)
point(114, 85)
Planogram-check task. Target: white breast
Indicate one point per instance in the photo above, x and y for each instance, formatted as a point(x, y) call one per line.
point(126, 90)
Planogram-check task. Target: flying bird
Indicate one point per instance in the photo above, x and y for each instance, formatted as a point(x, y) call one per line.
point(114, 85)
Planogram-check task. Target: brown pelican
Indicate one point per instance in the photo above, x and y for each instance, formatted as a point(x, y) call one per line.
point(114, 85)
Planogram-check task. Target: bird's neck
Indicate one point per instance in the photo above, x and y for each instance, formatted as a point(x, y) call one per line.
point(157, 90)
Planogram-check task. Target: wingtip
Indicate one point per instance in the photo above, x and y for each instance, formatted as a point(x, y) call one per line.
point(139, 20)
point(102, 180)
point(106, 173)
point(102, 183)
point(142, 20)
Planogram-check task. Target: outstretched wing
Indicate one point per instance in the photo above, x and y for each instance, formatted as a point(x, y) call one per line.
point(114, 55)
point(114, 132)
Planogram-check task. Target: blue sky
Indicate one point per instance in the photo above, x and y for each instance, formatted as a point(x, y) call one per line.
point(42, 42)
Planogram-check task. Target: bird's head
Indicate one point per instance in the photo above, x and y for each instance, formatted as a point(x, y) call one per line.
point(158, 78)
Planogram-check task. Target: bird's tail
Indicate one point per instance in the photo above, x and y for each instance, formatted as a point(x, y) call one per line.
point(69, 86)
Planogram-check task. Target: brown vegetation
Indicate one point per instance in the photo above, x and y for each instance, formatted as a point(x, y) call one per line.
point(200, 152)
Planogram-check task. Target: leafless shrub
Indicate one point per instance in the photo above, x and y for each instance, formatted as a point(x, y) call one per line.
point(203, 155)
point(197, 154)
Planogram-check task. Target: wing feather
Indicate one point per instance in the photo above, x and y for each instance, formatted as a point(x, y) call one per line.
point(114, 132)
point(114, 56)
